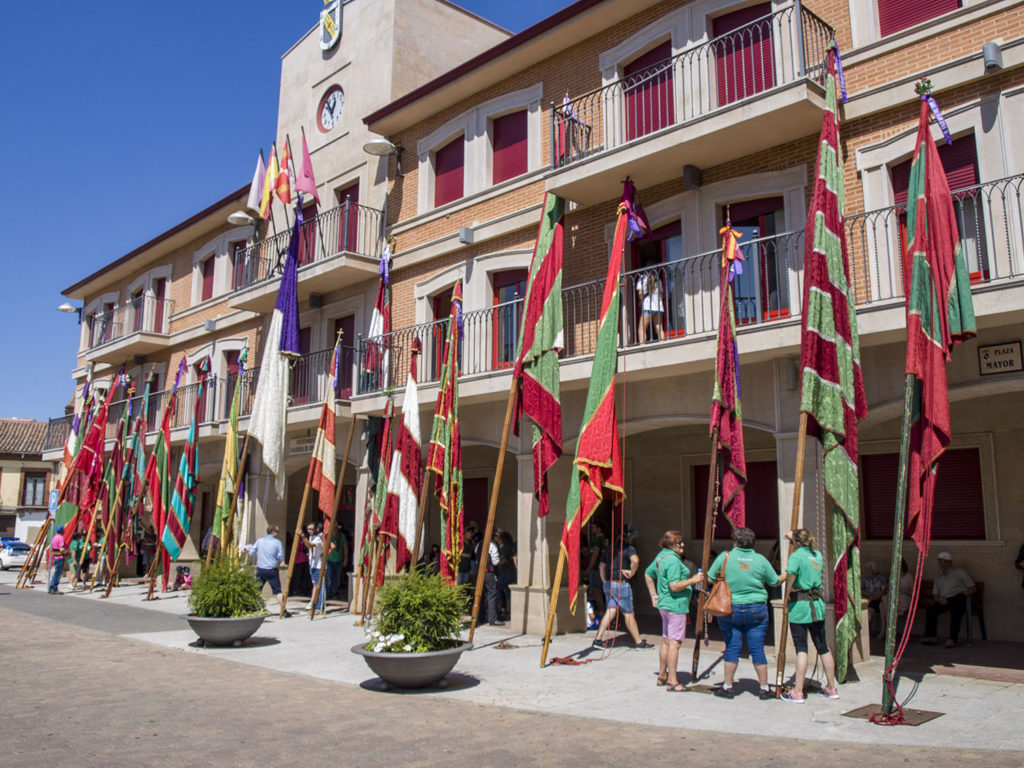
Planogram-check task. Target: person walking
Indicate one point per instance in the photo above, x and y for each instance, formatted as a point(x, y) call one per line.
point(748, 575)
point(804, 572)
point(491, 581)
point(269, 554)
point(58, 551)
point(620, 566)
point(336, 557)
point(671, 587)
point(315, 546)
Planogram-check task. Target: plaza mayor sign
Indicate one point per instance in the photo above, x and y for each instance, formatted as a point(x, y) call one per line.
point(1000, 358)
point(330, 24)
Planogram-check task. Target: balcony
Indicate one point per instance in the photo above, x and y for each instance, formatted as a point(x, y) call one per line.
point(990, 217)
point(137, 328)
point(338, 248)
point(753, 88)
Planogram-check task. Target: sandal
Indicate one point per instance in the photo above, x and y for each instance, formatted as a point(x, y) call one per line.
point(662, 681)
point(677, 688)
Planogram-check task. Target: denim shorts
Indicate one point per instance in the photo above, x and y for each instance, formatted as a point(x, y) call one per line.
point(618, 594)
point(748, 622)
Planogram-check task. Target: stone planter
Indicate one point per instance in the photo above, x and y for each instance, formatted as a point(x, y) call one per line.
point(225, 631)
point(412, 670)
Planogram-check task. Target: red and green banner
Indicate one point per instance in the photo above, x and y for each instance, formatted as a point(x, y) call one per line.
point(112, 499)
point(158, 469)
point(135, 475)
point(229, 470)
point(324, 452)
point(444, 456)
point(540, 340)
point(727, 401)
point(597, 466)
point(386, 525)
point(832, 387)
point(940, 314)
point(405, 480)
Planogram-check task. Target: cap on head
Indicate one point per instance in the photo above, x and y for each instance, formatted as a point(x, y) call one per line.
point(945, 556)
point(60, 529)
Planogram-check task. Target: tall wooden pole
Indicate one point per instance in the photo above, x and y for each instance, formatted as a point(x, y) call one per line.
point(556, 584)
point(295, 540)
point(154, 569)
point(710, 510)
point(421, 518)
point(372, 579)
point(492, 508)
point(117, 565)
point(897, 542)
point(229, 528)
point(794, 522)
point(28, 570)
point(332, 526)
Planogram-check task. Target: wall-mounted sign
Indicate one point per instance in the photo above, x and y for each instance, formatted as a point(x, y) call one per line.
point(1000, 358)
point(301, 446)
point(330, 24)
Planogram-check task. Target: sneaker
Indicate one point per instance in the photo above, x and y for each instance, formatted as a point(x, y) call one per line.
point(497, 623)
point(643, 644)
point(832, 693)
point(725, 693)
point(287, 615)
point(765, 694)
point(793, 698)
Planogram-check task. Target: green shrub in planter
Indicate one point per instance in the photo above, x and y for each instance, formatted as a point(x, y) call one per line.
point(416, 612)
point(227, 587)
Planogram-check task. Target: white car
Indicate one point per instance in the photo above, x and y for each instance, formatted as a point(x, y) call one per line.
point(14, 554)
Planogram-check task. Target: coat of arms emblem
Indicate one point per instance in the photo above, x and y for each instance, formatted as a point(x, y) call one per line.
point(330, 24)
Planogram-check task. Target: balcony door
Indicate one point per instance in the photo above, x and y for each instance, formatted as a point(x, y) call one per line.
point(348, 218)
point(231, 379)
point(303, 379)
point(307, 235)
point(761, 292)
point(509, 291)
point(660, 288)
point(159, 304)
point(138, 307)
point(648, 92)
point(744, 53)
point(347, 325)
point(201, 407)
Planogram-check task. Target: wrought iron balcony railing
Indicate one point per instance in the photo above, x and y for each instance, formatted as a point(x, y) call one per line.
point(348, 228)
point(788, 45)
point(145, 314)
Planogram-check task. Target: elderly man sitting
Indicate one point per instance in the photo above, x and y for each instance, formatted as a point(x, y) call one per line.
point(950, 590)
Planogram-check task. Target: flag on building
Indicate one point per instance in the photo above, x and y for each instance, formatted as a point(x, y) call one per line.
point(183, 498)
point(111, 502)
point(405, 480)
point(74, 440)
point(832, 386)
point(255, 201)
point(283, 183)
point(324, 453)
point(374, 434)
point(940, 314)
point(269, 418)
point(135, 473)
point(536, 375)
point(269, 184)
point(376, 358)
point(597, 466)
point(158, 468)
point(380, 490)
point(229, 469)
point(444, 457)
point(69, 496)
point(306, 182)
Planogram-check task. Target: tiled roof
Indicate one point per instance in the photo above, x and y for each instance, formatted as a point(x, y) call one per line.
point(22, 436)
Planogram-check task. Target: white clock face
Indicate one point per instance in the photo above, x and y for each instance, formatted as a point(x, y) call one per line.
point(330, 111)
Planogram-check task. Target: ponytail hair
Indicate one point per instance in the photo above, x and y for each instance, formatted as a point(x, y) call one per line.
point(803, 538)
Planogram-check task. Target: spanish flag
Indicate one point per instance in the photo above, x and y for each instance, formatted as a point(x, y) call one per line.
point(269, 183)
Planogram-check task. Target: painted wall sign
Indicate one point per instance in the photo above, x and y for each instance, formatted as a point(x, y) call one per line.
point(1000, 358)
point(301, 446)
point(330, 24)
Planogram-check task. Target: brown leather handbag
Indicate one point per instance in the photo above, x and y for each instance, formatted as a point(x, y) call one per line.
point(720, 600)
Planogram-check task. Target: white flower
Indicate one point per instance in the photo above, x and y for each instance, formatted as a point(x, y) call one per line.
point(407, 647)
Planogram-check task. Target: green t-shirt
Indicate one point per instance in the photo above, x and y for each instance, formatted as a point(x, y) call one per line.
point(748, 573)
point(77, 545)
point(667, 568)
point(806, 565)
point(336, 554)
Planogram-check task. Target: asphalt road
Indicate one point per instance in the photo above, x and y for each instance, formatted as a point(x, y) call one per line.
point(76, 693)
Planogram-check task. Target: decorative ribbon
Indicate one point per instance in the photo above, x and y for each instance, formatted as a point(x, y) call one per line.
point(924, 90)
point(730, 251)
point(384, 270)
point(839, 70)
point(458, 316)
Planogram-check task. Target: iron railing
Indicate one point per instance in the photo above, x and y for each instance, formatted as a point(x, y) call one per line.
point(143, 314)
point(772, 51)
point(348, 228)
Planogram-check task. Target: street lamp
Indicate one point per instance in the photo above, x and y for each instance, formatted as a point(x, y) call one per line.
point(71, 310)
point(381, 147)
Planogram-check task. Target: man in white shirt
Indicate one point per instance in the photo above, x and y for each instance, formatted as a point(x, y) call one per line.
point(491, 582)
point(950, 591)
point(315, 547)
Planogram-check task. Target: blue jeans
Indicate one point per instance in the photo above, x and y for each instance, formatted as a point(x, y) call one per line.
point(58, 569)
point(748, 622)
point(334, 578)
point(314, 575)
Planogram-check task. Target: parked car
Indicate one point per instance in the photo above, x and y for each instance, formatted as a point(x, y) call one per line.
point(14, 553)
point(5, 540)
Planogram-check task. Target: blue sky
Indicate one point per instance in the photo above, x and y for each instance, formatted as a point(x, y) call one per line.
point(121, 119)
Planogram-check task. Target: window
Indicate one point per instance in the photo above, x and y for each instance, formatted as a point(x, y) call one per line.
point(960, 162)
point(33, 492)
point(648, 92)
point(303, 389)
point(762, 291)
point(509, 291)
point(237, 265)
point(201, 405)
point(761, 497)
point(348, 218)
point(959, 511)
point(448, 168)
point(509, 144)
point(207, 269)
point(155, 400)
point(657, 289)
point(137, 309)
point(744, 54)
point(307, 235)
point(159, 304)
point(897, 15)
point(347, 326)
point(231, 369)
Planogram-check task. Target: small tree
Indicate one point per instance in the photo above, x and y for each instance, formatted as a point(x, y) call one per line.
point(226, 587)
point(417, 612)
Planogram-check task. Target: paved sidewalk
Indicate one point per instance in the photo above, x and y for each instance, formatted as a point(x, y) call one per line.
point(503, 670)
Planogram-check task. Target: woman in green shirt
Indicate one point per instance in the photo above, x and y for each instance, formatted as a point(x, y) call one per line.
point(807, 611)
point(670, 586)
point(748, 575)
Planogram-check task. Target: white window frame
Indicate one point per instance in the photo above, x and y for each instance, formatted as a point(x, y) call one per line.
point(218, 248)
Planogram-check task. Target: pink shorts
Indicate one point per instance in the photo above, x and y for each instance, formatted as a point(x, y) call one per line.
point(673, 625)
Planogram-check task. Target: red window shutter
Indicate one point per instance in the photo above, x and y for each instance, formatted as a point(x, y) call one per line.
point(959, 161)
point(509, 145)
point(762, 500)
point(138, 307)
point(348, 224)
point(896, 15)
point(648, 90)
point(347, 325)
point(448, 162)
point(959, 505)
point(159, 304)
point(307, 237)
point(745, 61)
point(208, 266)
point(237, 265)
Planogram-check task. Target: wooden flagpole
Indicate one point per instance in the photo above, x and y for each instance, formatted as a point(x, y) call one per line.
point(28, 570)
point(421, 517)
point(295, 541)
point(714, 499)
point(372, 578)
point(332, 526)
point(154, 569)
point(556, 584)
point(117, 565)
point(353, 603)
point(794, 522)
point(493, 506)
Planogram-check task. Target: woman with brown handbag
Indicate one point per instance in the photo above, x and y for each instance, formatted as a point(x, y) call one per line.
point(748, 575)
